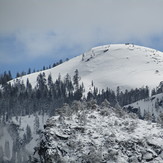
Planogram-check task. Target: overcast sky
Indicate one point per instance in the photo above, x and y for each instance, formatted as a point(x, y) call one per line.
point(34, 33)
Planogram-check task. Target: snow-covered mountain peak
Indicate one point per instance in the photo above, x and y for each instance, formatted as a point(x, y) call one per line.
point(125, 65)
point(130, 49)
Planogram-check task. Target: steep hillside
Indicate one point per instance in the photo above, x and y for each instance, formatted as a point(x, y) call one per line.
point(18, 137)
point(86, 132)
point(124, 65)
point(150, 108)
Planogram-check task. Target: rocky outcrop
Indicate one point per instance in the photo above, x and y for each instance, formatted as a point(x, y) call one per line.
point(94, 137)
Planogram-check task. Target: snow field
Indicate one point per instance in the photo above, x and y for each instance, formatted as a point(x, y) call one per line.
point(125, 65)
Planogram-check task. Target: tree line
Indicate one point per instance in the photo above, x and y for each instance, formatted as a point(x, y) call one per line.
point(7, 76)
point(119, 97)
point(21, 98)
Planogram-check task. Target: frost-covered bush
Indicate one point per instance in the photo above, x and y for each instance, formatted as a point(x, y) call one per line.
point(92, 157)
point(126, 123)
point(82, 117)
point(112, 154)
point(76, 106)
point(105, 103)
point(105, 112)
point(132, 126)
point(161, 119)
point(91, 105)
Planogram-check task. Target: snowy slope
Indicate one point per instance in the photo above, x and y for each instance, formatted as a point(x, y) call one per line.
point(17, 147)
point(151, 106)
point(101, 134)
point(124, 65)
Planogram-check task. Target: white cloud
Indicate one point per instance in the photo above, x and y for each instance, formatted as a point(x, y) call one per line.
point(44, 27)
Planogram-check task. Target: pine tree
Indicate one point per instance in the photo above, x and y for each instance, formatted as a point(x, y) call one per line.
point(36, 123)
point(28, 87)
point(25, 138)
point(76, 79)
point(83, 57)
point(153, 92)
point(50, 82)
point(118, 94)
point(29, 71)
point(7, 149)
point(9, 76)
point(42, 90)
point(28, 134)
point(60, 61)
point(17, 75)
point(68, 85)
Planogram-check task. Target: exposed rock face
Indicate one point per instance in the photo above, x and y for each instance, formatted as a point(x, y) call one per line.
point(101, 135)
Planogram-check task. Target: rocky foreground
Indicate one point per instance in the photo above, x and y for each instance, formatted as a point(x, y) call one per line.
point(88, 133)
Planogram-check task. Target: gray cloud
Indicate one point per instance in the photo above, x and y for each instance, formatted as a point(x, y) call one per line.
point(43, 27)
